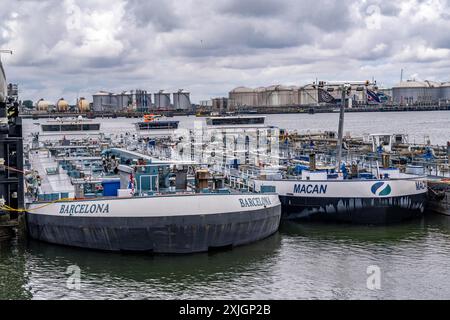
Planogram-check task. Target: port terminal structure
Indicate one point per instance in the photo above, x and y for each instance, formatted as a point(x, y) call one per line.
point(11, 161)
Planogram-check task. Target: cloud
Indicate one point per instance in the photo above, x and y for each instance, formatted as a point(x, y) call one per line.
point(74, 48)
point(253, 8)
point(158, 13)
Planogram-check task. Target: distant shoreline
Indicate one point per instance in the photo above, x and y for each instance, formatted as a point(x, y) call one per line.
point(265, 110)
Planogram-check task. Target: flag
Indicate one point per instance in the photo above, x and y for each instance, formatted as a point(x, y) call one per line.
point(372, 96)
point(325, 97)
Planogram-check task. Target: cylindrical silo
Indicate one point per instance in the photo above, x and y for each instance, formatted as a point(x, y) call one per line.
point(295, 97)
point(243, 96)
point(285, 96)
point(123, 100)
point(162, 100)
point(102, 101)
point(278, 95)
point(272, 96)
point(416, 92)
point(260, 97)
point(309, 95)
point(181, 100)
point(433, 90)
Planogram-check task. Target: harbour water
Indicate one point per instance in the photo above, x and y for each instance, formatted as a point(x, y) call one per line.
point(301, 261)
point(309, 261)
point(418, 125)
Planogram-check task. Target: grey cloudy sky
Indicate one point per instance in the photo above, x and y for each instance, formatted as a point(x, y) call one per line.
point(70, 48)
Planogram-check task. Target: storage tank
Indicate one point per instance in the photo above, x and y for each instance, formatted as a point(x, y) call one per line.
point(124, 100)
point(433, 90)
point(445, 92)
point(43, 105)
point(260, 97)
point(162, 100)
point(295, 99)
point(416, 92)
point(181, 100)
point(243, 96)
point(309, 95)
point(103, 101)
point(83, 105)
point(279, 95)
point(62, 105)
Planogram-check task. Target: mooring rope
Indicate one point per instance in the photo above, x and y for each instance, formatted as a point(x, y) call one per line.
point(5, 207)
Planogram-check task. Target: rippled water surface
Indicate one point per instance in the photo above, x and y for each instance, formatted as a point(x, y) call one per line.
point(301, 261)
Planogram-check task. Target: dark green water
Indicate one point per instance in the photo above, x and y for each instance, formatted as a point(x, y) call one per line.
point(301, 261)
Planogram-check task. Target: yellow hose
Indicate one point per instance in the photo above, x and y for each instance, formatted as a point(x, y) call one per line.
point(8, 208)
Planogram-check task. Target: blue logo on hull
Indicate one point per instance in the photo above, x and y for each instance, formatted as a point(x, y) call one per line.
point(378, 190)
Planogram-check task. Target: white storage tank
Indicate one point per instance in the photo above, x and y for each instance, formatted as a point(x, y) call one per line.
point(309, 95)
point(260, 97)
point(295, 95)
point(181, 100)
point(243, 96)
point(413, 92)
point(162, 100)
point(102, 101)
point(124, 100)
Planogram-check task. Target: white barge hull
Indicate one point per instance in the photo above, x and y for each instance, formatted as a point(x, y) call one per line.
point(353, 201)
point(160, 224)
